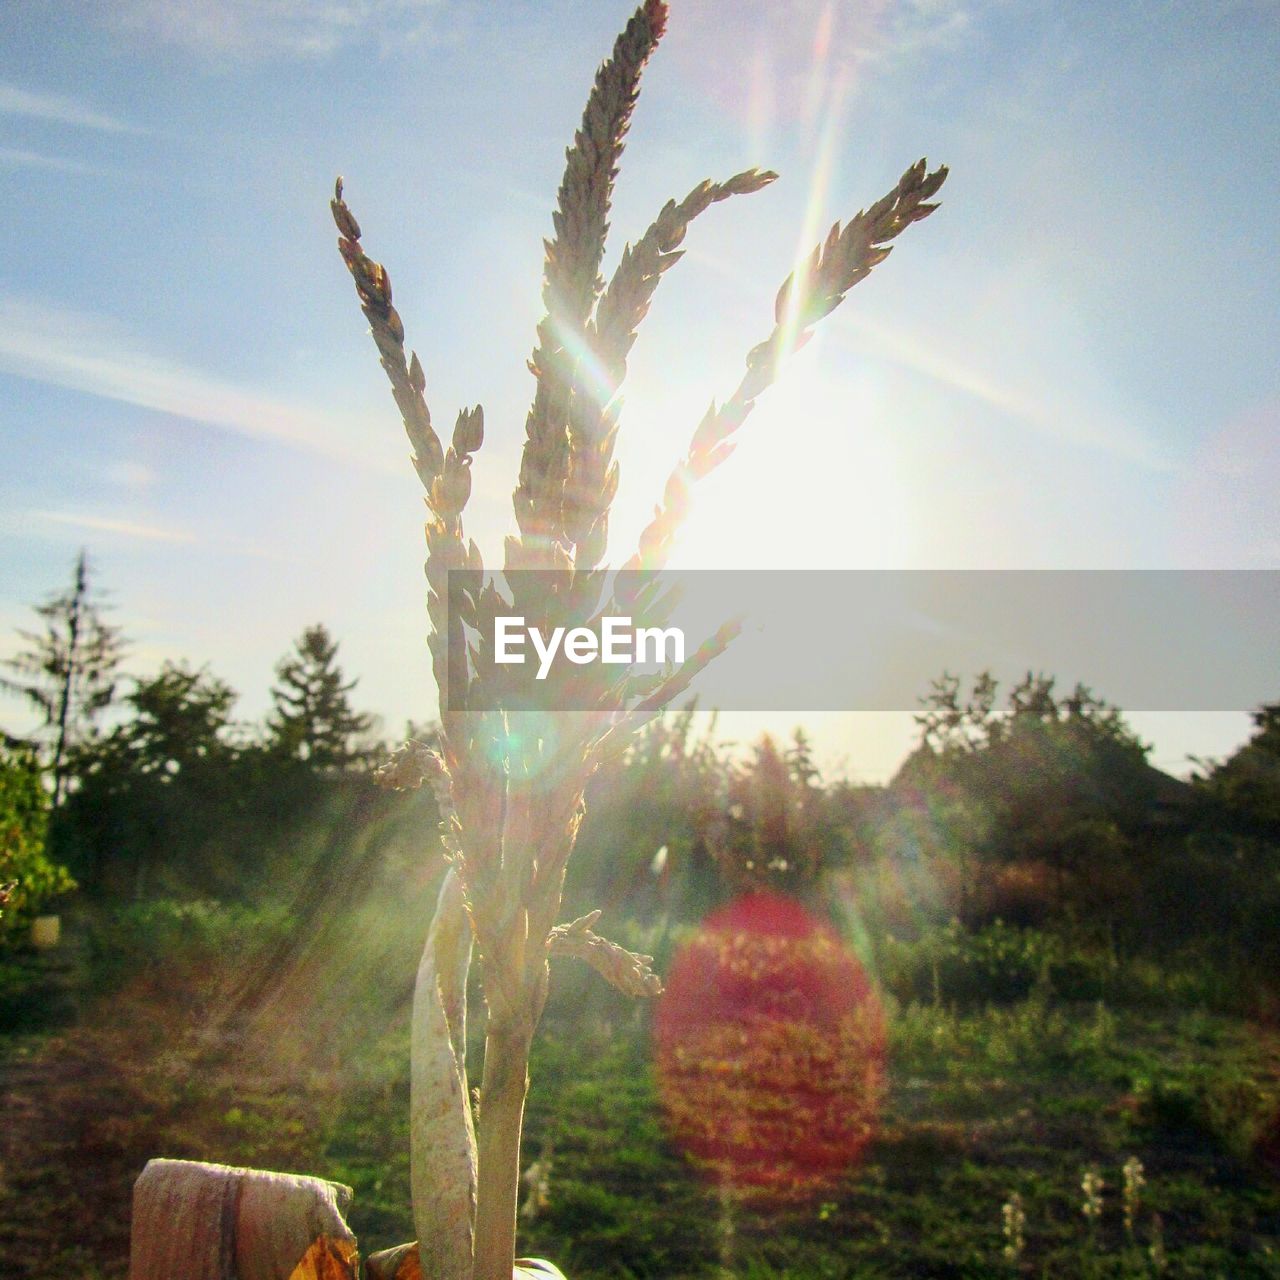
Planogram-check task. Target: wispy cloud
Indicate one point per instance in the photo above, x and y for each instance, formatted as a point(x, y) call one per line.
point(129, 475)
point(124, 528)
point(275, 28)
point(1062, 416)
point(790, 58)
point(17, 158)
point(16, 101)
point(145, 530)
point(65, 348)
point(1018, 389)
point(919, 25)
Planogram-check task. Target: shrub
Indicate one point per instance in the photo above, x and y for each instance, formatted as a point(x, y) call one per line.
point(951, 964)
point(1224, 1105)
point(24, 819)
point(178, 939)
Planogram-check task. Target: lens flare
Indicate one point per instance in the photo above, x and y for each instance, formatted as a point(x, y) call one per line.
point(770, 1052)
point(827, 94)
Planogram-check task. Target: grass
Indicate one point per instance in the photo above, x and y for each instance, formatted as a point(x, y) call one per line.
point(980, 1105)
point(982, 1102)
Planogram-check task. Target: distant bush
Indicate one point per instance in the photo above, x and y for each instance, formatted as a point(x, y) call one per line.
point(1003, 963)
point(24, 818)
point(1000, 963)
point(1032, 1032)
point(1223, 1104)
point(179, 939)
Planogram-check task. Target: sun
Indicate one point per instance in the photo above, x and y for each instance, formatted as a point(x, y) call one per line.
point(816, 481)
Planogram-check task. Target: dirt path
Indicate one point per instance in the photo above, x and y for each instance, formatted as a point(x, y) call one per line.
point(78, 1124)
point(134, 1072)
point(75, 1136)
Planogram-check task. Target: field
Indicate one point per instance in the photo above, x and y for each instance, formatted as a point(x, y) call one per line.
point(110, 1058)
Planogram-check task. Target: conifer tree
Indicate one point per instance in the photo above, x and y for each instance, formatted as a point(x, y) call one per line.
point(312, 718)
point(68, 672)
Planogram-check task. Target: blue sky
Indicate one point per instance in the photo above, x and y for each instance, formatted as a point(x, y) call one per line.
point(1071, 365)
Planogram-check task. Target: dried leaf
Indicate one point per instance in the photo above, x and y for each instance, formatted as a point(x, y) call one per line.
point(400, 1263)
point(328, 1259)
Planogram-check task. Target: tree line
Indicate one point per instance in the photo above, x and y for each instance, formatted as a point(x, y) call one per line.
point(1029, 806)
point(1026, 809)
point(153, 785)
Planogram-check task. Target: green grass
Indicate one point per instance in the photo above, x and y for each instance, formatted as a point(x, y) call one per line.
point(982, 1102)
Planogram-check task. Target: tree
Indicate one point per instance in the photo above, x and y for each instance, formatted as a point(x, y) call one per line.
point(1244, 790)
point(179, 718)
point(643, 838)
point(1231, 867)
point(776, 828)
point(68, 673)
point(156, 788)
point(1061, 783)
point(313, 719)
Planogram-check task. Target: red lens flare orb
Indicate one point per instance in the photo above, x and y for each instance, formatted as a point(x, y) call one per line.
point(770, 1051)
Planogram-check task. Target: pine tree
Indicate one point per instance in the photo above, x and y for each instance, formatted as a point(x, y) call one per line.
point(68, 673)
point(313, 719)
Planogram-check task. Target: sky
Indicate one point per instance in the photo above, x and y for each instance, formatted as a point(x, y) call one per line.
point(1071, 365)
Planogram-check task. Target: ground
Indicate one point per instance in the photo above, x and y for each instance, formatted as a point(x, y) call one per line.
point(980, 1104)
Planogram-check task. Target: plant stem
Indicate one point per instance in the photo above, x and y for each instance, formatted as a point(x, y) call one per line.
point(502, 1094)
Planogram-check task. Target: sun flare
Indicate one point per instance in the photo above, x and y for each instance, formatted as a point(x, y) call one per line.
point(849, 510)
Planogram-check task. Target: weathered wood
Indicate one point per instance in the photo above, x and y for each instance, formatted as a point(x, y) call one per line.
point(196, 1221)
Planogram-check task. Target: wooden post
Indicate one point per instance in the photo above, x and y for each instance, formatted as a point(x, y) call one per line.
point(196, 1221)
